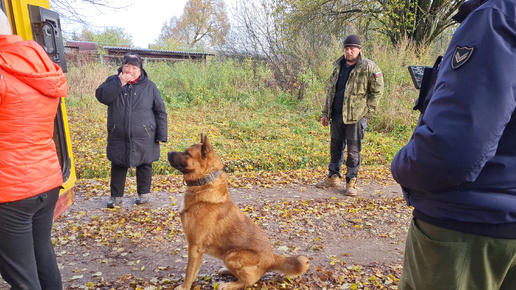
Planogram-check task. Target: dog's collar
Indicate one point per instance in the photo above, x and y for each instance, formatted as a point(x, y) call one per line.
point(205, 180)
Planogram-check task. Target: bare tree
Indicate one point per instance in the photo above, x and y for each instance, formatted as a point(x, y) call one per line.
point(254, 32)
point(204, 22)
point(74, 10)
point(257, 33)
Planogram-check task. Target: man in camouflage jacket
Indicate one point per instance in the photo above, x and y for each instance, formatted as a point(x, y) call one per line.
point(354, 90)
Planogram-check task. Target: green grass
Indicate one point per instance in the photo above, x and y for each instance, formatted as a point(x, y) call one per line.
point(253, 123)
point(245, 140)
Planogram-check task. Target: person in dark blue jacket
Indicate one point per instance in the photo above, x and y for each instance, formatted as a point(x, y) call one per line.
point(137, 122)
point(458, 170)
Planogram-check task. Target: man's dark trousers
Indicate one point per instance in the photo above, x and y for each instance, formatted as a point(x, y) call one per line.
point(343, 135)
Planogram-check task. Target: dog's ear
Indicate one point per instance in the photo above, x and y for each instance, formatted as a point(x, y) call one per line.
point(206, 147)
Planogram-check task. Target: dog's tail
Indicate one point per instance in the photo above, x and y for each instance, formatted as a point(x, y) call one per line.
point(290, 266)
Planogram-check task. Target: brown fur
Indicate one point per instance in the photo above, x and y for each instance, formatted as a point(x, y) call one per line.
point(214, 225)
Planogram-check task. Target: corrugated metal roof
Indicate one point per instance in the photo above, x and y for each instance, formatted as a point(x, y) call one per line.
point(143, 50)
point(82, 45)
point(81, 41)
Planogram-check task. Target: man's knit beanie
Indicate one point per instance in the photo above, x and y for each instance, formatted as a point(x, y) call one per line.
point(353, 41)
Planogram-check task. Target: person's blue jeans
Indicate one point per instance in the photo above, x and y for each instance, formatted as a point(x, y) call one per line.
point(27, 258)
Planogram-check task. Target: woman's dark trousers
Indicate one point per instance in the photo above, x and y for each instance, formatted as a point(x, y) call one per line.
point(27, 258)
point(143, 179)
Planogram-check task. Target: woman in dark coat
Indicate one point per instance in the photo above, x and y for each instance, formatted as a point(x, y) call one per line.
point(137, 122)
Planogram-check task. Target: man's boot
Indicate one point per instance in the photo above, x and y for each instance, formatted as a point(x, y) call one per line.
point(351, 189)
point(333, 181)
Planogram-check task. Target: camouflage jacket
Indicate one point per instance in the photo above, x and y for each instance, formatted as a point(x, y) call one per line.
point(363, 90)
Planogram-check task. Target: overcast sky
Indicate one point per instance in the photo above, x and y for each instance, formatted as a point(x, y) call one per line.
point(143, 19)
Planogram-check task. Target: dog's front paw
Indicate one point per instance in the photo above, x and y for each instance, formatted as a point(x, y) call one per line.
point(180, 287)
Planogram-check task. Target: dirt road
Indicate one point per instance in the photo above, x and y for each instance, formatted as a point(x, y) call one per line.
point(351, 242)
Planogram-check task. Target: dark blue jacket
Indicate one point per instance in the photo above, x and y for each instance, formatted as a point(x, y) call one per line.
point(137, 120)
point(459, 168)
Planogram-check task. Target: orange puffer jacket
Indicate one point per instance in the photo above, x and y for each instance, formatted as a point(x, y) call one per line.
point(30, 88)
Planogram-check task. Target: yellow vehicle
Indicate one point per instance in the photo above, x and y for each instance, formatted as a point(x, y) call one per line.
point(32, 19)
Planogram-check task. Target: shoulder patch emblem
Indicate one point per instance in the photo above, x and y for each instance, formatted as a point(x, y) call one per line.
point(461, 55)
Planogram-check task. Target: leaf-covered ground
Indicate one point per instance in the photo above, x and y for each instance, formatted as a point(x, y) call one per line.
point(352, 243)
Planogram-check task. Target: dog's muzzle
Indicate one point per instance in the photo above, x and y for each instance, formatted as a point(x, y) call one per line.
point(178, 161)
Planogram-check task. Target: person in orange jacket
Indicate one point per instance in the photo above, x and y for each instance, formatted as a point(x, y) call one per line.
point(31, 86)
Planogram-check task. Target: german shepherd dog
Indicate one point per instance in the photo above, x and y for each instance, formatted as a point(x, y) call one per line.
point(214, 225)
